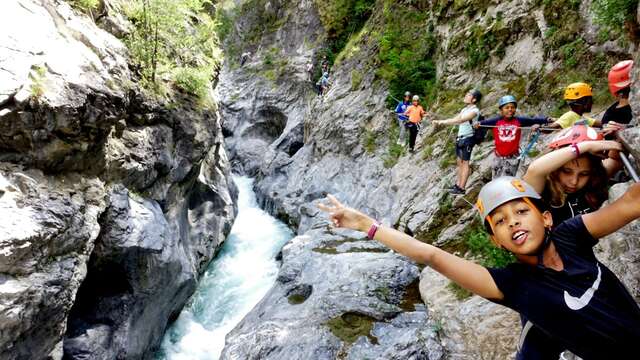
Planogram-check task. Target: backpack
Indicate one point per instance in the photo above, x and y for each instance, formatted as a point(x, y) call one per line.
point(480, 133)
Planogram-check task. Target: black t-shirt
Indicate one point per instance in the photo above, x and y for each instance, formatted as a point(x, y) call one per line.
point(574, 204)
point(584, 307)
point(621, 115)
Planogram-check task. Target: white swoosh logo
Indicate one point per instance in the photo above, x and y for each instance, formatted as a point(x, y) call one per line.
point(575, 303)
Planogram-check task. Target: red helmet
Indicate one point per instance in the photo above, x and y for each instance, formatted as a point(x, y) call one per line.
point(619, 76)
point(575, 135)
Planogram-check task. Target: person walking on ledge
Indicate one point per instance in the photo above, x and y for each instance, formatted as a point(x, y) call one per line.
point(415, 113)
point(464, 140)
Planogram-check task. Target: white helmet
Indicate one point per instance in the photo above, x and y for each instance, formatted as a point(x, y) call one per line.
point(500, 191)
point(416, 98)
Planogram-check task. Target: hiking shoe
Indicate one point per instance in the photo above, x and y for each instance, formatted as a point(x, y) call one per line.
point(456, 190)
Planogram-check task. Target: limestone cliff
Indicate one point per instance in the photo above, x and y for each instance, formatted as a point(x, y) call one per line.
point(112, 202)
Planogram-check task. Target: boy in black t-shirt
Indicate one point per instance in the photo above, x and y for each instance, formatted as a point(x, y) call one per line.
point(557, 283)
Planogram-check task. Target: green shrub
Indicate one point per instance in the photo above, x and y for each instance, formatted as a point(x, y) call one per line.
point(174, 37)
point(406, 46)
point(369, 141)
point(356, 79)
point(394, 152)
point(342, 19)
point(37, 76)
point(448, 158)
point(478, 46)
point(477, 241)
point(196, 81)
point(87, 6)
point(613, 14)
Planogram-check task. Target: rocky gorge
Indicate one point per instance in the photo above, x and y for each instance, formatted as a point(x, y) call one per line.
point(113, 202)
point(335, 296)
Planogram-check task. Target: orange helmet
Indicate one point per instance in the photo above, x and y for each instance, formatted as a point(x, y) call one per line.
point(577, 91)
point(575, 135)
point(619, 76)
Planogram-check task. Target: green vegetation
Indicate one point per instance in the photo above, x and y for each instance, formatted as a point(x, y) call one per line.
point(458, 291)
point(427, 152)
point(405, 52)
point(349, 326)
point(174, 39)
point(37, 76)
point(86, 6)
point(478, 46)
point(394, 153)
point(448, 158)
point(614, 15)
point(274, 65)
point(356, 79)
point(341, 20)
point(296, 299)
point(477, 241)
point(444, 216)
point(369, 141)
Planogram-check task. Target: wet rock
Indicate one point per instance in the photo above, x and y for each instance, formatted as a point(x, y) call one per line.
point(351, 310)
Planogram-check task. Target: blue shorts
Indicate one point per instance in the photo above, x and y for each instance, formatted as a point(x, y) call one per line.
point(464, 147)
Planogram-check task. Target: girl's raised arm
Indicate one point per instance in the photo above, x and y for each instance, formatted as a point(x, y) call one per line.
point(537, 172)
point(467, 274)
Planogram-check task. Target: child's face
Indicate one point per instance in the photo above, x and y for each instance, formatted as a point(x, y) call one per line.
point(468, 98)
point(518, 228)
point(508, 110)
point(574, 175)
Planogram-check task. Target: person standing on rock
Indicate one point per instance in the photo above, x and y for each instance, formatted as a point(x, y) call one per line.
point(619, 114)
point(323, 84)
point(244, 57)
point(401, 109)
point(309, 71)
point(507, 134)
point(415, 113)
point(464, 140)
point(557, 282)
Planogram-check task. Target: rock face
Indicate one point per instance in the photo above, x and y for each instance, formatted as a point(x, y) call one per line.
point(347, 139)
point(48, 231)
point(113, 203)
point(332, 300)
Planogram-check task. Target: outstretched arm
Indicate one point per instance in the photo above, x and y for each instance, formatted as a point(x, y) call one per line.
point(458, 119)
point(467, 274)
point(539, 169)
point(612, 217)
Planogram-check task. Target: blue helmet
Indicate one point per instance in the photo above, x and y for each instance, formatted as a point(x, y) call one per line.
point(506, 100)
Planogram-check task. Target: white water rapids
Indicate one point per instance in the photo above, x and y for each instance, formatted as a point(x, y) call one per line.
point(239, 276)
